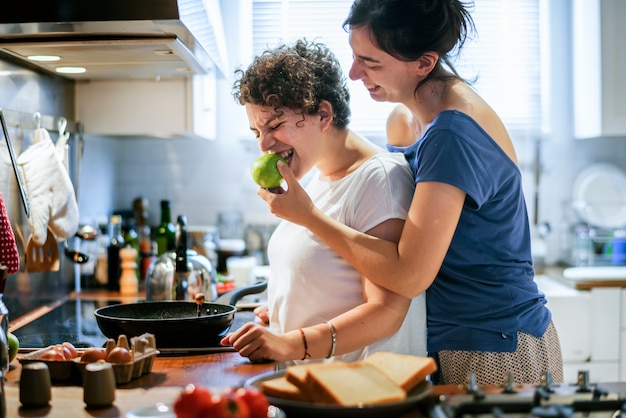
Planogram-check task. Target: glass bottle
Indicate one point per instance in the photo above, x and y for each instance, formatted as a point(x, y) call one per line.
point(116, 243)
point(130, 234)
point(166, 232)
point(102, 242)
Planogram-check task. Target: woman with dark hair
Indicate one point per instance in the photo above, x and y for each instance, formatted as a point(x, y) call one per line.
point(466, 239)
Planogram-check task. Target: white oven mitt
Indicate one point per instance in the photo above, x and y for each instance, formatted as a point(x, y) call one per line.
point(49, 189)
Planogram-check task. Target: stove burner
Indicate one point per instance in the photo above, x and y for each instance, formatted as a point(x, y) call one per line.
point(542, 401)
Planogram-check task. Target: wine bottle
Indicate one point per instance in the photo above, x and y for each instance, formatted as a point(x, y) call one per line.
point(166, 232)
point(116, 243)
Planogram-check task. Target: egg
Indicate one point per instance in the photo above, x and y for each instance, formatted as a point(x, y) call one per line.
point(70, 347)
point(52, 354)
point(64, 350)
point(91, 355)
point(120, 355)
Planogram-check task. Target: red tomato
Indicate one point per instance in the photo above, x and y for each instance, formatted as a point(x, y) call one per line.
point(256, 401)
point(194, 402)
point(223, 287)
point(236, 407)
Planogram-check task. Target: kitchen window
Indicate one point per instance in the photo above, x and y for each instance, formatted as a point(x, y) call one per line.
point(503, 56)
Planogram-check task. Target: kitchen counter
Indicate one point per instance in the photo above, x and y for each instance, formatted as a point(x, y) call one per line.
point(169, 374)
point(587, 281)
point(163, 384)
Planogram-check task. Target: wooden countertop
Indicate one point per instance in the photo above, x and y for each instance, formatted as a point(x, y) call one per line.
point(163, 384)
point(169, 374)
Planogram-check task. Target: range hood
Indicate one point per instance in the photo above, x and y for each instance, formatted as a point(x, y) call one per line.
point(117, 39)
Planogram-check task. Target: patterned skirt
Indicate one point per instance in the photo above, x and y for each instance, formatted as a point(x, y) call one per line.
point(533, 357)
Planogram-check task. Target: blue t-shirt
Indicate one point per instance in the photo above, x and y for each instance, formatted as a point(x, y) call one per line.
point(485, 291)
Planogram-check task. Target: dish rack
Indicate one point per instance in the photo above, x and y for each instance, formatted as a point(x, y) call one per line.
point(589, 245)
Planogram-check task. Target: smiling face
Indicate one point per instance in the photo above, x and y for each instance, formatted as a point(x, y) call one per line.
point(294, 136)
point(386, 78)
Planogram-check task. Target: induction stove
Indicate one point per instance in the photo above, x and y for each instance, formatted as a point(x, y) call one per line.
point(73, 320)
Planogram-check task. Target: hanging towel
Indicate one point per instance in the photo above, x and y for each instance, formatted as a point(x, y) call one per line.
point(49, 189)
point(9, 255)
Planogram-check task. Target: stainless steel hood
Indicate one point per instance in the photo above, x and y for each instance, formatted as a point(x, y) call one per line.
point(117, 39)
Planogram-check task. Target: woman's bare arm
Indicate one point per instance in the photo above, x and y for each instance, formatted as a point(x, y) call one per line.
point(380, 316)
point(426, 236)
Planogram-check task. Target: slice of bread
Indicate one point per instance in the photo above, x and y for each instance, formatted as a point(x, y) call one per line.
point(404, 369)
point(298, 375)
point(281, 388)
point(352, 384)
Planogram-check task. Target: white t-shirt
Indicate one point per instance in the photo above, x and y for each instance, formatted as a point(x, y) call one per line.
point(309, 283)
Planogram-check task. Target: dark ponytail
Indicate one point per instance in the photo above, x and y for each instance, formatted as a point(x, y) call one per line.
point(406, 29)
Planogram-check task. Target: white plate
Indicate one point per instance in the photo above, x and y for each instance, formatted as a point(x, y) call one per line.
point(599, 196)
point(161, 410)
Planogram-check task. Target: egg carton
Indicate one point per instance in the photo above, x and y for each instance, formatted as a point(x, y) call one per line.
point(143, 349)
point(60, 370)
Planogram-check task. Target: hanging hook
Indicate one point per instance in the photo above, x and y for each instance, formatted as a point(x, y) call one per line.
point(37, 119)
point(62, 124)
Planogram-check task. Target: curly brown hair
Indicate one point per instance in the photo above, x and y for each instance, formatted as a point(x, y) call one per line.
point(296, 77)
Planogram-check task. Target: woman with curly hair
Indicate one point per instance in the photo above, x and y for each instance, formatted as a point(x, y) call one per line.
point(297, 104)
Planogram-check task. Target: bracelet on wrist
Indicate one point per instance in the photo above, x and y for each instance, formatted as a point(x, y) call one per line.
point(306, 346)
point(333, 339)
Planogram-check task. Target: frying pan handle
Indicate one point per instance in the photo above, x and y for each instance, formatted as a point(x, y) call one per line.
point(252, 289)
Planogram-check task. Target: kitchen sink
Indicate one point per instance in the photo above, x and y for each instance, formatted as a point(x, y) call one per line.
point(587, 273)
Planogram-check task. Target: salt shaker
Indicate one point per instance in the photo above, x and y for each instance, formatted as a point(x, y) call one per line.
point(35, 385)
point(99, 385)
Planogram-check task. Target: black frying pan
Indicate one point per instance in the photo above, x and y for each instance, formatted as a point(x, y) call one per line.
point(174, 324)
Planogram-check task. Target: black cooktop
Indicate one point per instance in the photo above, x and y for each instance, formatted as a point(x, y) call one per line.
point(74, 321)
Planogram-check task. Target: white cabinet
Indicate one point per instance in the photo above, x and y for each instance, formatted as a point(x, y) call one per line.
point(592, 329)
point(599, 66)
point(570, 312)
point(171, 107)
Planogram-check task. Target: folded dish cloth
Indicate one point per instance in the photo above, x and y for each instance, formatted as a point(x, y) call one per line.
point(49, 189)
point(8, 249)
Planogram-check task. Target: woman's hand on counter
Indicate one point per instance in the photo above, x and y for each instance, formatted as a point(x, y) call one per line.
point(259, 344)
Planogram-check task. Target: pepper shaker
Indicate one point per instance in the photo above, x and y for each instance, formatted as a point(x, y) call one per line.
point(99, 385)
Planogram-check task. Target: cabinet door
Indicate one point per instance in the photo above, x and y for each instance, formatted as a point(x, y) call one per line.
point(605, 323)
point(598, 371)
point(171, 107)
point(599, 65)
